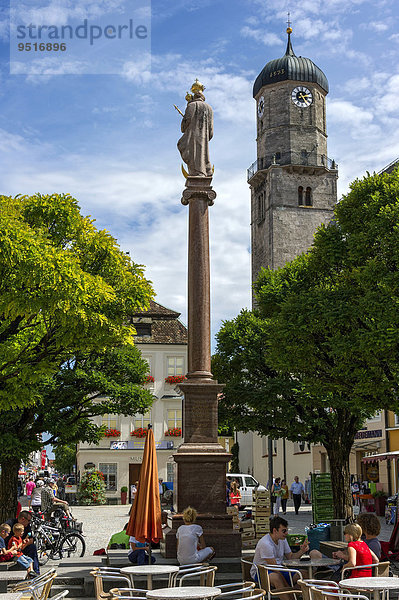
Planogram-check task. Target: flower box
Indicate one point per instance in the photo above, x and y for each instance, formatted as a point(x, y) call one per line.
point(112, 433)
point(173, 379)
point(175, 432)
point(149, 379)
point(140, 433)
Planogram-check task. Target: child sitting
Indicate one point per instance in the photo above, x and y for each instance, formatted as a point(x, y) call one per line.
point(138, 553)
point(6, 555)
point(17, 543)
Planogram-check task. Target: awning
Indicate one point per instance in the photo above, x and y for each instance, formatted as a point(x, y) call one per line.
point(384, 456)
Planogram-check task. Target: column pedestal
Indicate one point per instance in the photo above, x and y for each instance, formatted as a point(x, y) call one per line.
point(200, 462)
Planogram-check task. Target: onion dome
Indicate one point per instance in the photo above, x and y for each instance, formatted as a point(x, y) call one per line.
point(290, 67)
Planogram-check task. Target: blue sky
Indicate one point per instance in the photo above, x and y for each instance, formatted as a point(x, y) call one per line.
point(110, 140)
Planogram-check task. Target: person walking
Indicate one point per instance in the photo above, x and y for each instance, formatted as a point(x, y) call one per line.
point(35, 500)
point(284, 496)
point(297, 492)
point(30, 486)
point(277, 493)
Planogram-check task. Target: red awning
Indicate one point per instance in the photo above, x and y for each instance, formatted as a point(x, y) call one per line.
point(383, 456)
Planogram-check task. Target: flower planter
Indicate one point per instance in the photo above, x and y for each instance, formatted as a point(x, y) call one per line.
point(123, 497)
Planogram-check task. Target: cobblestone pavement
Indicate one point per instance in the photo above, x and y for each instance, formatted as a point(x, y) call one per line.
point(100, 522)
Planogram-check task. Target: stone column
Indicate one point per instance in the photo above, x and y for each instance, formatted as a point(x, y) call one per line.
point(200, 479)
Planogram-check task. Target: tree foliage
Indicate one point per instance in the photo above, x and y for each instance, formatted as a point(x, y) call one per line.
point(64, 458)
point(67, 293)
point(320, 353)
point(65, 287)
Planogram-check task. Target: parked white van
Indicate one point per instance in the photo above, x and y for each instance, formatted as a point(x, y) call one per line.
point(247, 485)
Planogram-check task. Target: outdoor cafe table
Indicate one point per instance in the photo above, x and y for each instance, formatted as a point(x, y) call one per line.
point(149, 570)
point(184, 593)
point(313, 563)
point(372, 584)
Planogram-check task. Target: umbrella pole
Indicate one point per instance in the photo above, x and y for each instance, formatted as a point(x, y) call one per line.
point(149, 552)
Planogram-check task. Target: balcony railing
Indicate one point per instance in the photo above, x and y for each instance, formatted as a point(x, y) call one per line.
point(310, 159)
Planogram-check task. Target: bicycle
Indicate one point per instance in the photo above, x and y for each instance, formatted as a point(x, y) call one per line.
point(52, 541)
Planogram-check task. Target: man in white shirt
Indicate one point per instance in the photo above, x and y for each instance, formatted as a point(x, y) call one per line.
point(297, 492)
point(272, 548)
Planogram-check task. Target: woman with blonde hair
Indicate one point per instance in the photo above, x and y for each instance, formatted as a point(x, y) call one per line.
point(358, 552)
point(190, 540)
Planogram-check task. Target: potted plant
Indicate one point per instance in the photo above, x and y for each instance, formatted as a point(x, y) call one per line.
point(380, 500)
point(123, 494)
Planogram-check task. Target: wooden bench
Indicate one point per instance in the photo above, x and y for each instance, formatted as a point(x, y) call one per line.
point(7, 577)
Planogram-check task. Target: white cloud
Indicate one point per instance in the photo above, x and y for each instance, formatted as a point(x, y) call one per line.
point(378, 26)
point(264, 37)
point(388, 100)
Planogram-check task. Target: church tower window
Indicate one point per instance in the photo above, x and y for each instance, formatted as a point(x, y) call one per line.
point(308, 197)
point(300, 196)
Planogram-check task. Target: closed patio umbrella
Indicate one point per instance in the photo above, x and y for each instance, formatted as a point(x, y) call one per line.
point(145, 516)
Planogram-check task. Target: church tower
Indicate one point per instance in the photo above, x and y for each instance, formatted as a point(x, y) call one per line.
point(293, 183)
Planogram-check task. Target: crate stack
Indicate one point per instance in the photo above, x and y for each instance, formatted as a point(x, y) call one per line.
point(261, 513)
point(233, 510)
point(322, 498)
point(248, 539)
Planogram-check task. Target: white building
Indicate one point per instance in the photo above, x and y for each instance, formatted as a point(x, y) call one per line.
point(289, 458)
point(162, 339)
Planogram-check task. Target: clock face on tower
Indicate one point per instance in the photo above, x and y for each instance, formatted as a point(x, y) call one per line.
point(261, 106)
point(301, 96)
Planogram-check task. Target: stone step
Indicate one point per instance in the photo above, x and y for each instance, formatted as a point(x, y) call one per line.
point(76, 591)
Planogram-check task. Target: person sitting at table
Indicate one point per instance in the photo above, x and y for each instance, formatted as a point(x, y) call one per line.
point(138, 552)
point(272, 548)
point(371, 528)
point(190, 540)
point(358, 552)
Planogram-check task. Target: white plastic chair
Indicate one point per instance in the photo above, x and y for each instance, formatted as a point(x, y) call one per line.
point(102, 574)
point(39, 587)
point(207, 576)
point(190, 568)
point(128, 593)
point(264, 580)
point(324, 594)
point(307, 584)
point(236, 590)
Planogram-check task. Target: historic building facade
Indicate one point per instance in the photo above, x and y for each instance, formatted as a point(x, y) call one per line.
point(162, 340)
point(293, 191)
point(293, 182)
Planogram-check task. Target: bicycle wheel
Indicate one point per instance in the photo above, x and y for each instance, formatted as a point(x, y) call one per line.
point(43, 553)
point(72, 544)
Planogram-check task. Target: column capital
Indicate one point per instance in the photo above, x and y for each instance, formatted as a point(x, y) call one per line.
point(198, 187)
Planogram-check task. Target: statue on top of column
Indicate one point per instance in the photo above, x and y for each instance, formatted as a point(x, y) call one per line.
point(197, 128)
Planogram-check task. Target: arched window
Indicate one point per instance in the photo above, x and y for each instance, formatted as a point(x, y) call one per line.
point(308, 197)
point(300, 196)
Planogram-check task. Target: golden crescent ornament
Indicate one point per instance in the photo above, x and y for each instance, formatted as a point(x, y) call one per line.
point(183, 170)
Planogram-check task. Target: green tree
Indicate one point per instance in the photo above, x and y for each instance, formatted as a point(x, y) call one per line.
point(66, 292)
point(64, 458)
point(320, 355)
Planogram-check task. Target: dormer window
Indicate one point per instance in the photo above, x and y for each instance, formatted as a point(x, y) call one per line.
point(142, 329)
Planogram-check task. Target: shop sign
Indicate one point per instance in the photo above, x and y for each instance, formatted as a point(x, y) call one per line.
point(365, 434)
point(135, 445)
